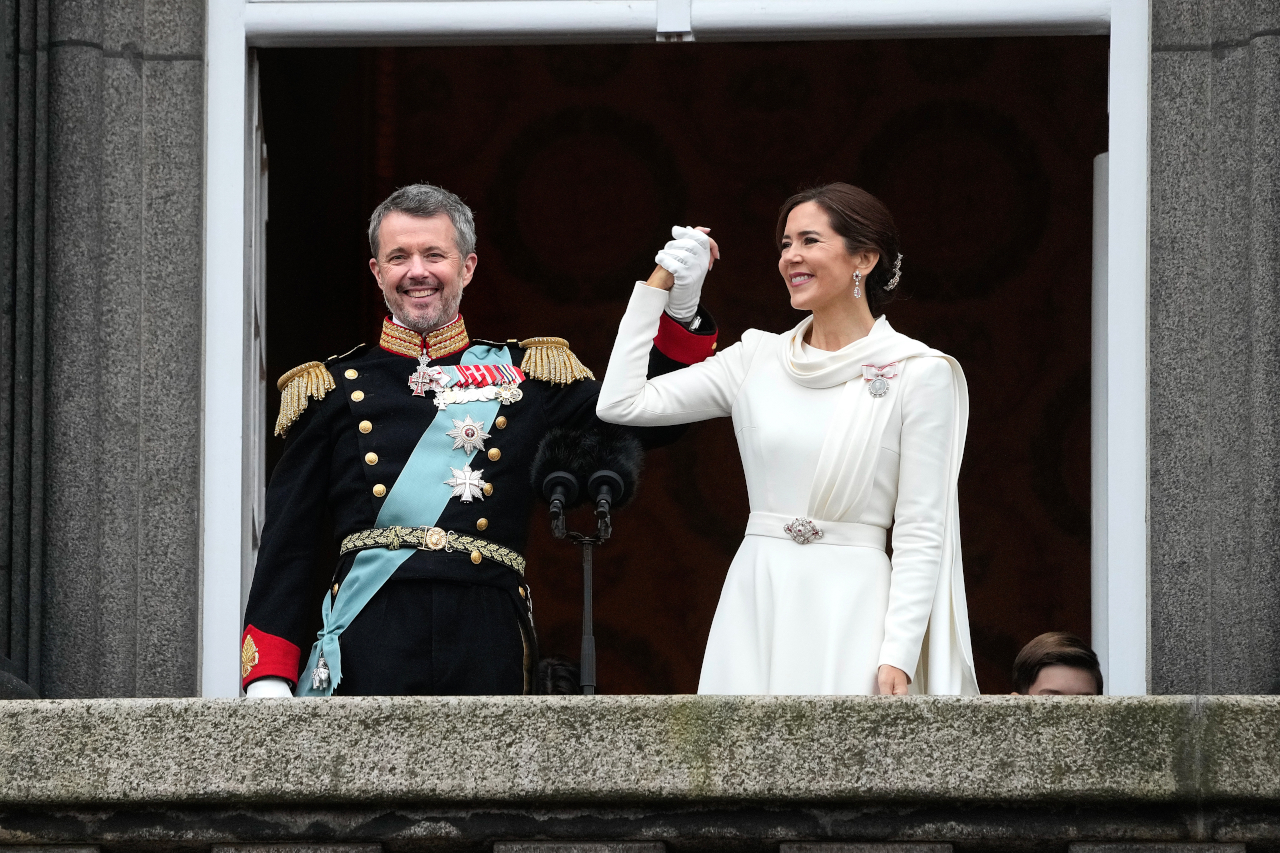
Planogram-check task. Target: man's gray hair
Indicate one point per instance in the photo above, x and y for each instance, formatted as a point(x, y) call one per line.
point(427, 200)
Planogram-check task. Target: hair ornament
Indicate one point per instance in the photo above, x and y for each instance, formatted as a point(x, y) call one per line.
point(897, 273)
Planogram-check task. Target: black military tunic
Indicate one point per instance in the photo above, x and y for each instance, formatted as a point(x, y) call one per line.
point(443, 623)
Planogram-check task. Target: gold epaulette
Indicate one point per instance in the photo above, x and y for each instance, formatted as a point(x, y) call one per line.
point(551, 360)
point(298, 386)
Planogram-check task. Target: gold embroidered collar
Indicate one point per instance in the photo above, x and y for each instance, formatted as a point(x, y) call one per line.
point(445, 340)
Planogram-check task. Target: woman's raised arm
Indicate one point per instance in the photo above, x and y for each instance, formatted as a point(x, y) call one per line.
point(694, 393)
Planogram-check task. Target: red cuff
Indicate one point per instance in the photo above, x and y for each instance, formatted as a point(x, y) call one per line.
point(679, 344)
point(264, 655)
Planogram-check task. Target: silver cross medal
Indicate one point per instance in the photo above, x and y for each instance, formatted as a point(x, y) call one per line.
point(420, 381)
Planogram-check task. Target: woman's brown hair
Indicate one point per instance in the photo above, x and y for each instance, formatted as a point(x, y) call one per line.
point(864, 223)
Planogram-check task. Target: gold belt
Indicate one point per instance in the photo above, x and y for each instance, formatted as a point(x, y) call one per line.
point(432, 539)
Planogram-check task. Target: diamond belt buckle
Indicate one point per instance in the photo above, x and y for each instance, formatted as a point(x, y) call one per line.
point(433, 539)
point(803, 531)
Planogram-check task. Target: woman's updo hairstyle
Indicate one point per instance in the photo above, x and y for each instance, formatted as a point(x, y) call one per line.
point(864, 223)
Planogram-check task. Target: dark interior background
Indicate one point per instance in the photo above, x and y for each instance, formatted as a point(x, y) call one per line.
point(578, 159)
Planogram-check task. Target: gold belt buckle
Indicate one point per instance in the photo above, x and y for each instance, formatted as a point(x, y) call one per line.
point(433, 539)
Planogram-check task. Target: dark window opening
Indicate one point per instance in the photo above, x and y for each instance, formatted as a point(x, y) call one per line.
point(578, 159)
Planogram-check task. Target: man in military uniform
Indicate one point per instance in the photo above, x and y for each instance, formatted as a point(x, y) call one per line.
point(419, 448)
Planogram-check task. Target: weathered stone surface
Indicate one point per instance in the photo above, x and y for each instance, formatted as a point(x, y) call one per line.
point(1214, 415)
point(1157, 847)
point(684, 825)
point(12, 687)
point(582, 847)
point(885, 847)
point(1238, 748)
point(635, 750)
point(296, 848)
point(1201, 23)
point(126, 110)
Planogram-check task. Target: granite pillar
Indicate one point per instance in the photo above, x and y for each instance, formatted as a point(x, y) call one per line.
point(23, 194)
point(103, 452)
point(1214, 352)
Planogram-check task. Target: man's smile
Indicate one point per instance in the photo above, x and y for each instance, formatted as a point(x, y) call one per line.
point(420, 291)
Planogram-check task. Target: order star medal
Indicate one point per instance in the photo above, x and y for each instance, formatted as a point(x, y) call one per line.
point(468, 435)
point(467, 484)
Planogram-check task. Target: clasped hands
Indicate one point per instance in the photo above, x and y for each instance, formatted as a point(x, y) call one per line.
point(682, 267)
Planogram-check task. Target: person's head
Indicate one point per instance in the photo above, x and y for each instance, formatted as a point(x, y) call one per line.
point(1057, 664)
point(827, 234)
point(557, 676)
point(423, 241)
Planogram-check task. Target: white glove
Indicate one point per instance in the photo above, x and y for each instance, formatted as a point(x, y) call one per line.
point(687, 258)
point(269, 688)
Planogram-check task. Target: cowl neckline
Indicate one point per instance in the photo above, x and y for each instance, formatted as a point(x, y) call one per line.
point(817, 368)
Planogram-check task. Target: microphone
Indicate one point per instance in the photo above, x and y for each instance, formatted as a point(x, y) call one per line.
point(563, 462)
point(556, 474)
point(617, 457)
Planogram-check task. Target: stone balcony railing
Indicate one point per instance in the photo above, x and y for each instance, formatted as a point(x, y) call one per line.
point(693, 773)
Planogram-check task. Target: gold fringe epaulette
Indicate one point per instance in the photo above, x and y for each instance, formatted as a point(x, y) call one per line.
point(298, 386)
point(551, 360)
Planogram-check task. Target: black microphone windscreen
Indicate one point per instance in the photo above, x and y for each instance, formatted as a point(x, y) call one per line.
point(616, 448)
point(563, 449)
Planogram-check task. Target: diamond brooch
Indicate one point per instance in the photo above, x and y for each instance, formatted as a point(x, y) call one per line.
point(803, 531)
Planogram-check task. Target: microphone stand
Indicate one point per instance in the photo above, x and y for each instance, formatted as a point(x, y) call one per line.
point(605, 485)
point(587, 665)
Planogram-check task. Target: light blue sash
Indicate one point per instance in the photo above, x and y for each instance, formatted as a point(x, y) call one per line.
point(416, 500)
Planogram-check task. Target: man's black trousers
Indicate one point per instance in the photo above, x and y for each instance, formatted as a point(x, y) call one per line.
point(420, 637)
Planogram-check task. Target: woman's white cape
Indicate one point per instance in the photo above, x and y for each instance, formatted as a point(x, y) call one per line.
point(842, 483)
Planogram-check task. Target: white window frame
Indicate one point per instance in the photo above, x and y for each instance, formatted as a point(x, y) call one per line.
point(229, 485)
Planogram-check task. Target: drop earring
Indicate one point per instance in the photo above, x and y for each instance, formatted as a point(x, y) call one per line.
point(857, 280)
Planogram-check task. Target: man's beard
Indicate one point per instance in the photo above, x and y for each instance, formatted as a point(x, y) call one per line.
point(434, 318)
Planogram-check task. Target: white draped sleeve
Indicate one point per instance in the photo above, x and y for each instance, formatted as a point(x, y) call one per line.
point(924, 501)
point(694, 393)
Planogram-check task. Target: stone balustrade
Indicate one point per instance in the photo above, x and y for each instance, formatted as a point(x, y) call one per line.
point(693, 773)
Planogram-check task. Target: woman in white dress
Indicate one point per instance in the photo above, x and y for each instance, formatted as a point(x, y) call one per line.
point(845, 428)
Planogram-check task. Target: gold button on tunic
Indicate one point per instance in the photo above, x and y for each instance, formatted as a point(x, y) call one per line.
point(482, 524)
point(351, 373)
point(357, 396)
point(476, 558)
point(488, 489)
point(494, 454)
point(379, 490)
point(371, 458)
point(366, 427)
point(501, 422)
